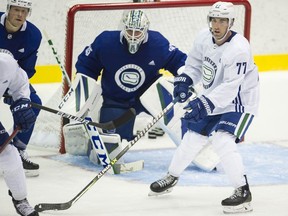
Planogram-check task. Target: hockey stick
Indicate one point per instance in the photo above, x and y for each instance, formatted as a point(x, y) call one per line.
point(63, 206)
point(105, 125)
point(14, 133)
point(57, 59)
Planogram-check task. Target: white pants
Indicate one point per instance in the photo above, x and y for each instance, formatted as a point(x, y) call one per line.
point(13, 172)
point(223, 144)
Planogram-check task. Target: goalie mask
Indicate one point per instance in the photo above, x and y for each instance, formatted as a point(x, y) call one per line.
point(136, 25)
point(19, 3)
point(222, 10)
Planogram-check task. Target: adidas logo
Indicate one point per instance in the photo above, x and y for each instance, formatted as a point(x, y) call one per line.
point(21, 50)
point(151, 63)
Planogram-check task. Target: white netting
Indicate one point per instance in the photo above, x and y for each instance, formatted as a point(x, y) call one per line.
point(47, 131)
point(179, 25)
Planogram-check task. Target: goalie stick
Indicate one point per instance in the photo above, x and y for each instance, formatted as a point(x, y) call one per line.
point(105, 125)
point(9, 139)
point(63, 206)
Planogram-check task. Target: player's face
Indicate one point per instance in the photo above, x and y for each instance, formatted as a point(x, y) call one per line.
point(17, 15)
point(134, 34)
point(219, 27)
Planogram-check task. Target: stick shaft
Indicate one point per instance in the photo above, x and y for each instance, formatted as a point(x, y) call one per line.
point(9, 139)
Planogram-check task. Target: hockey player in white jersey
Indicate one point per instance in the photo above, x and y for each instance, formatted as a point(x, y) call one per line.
point(221, 59)
point(14, 78)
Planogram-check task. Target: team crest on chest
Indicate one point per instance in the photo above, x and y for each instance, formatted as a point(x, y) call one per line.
point(209, 70)
point(130, 77)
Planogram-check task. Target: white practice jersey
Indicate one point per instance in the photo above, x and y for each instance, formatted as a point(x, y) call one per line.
point(227, 72)
point(13, 77)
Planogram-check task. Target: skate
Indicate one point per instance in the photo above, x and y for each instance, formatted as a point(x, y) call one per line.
point(31, 169)
point(239, 202)
point(163, 186)
point(23, 207)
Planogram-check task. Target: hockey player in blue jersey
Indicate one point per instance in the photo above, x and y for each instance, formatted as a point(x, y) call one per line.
point(22, 39)
point(129, 62)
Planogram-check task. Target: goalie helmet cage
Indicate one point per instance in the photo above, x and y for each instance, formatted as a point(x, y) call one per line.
point(178, 21)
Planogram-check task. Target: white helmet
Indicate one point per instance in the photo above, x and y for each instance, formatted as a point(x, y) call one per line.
point(222, 10)
point(19, 3)
point(136, 25)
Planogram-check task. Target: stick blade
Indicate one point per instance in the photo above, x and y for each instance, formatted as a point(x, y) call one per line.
point(52, 206)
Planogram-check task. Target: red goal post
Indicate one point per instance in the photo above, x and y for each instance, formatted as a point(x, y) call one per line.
point(178, 21)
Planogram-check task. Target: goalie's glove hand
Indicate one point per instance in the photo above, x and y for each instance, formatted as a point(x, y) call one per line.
point(199, 109)
point(181, 87)
point(23, 115)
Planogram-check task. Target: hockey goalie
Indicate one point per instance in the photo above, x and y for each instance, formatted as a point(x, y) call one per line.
point(128, 62)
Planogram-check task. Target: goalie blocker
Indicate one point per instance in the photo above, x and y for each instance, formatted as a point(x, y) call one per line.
point(85, 140)
point(206, 159)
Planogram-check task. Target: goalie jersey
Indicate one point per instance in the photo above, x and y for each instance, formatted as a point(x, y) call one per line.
point(222, 70)
point(126, 76)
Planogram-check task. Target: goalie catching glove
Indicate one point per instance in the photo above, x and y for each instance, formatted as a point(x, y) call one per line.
point(23, 115)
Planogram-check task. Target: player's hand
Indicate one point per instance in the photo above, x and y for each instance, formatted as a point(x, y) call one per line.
point(8, 100)
point(199, 109)
point(181, 87)
point(23, 114)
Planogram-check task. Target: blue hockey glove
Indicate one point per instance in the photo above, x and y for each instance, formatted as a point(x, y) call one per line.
point(23, 114)
point(200, 107)
point(181, 87)
point(8, 100)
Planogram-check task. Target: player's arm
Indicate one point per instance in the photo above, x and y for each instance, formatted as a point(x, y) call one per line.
point(173, 58)
point(16, 80)
point(33, 43)
point(89, 62)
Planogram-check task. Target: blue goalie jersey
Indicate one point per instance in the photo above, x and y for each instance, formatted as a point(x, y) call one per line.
point(126, 76)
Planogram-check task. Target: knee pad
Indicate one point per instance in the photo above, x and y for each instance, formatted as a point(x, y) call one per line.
point(223, 142)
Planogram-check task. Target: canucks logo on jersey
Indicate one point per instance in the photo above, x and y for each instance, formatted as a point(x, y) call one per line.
point(209, 70)
point(130, 77)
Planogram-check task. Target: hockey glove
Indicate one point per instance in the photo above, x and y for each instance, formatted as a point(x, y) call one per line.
point(8, 100)
point(200, 107)
point(23, 114)
point(181, 87)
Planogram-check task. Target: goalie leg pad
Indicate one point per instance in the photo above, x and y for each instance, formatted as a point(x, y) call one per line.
point(76, 139)
point(79, 142)
point(207, 159)
point(162, 89)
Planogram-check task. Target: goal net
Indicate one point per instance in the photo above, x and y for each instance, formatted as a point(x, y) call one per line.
point(178, 21)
